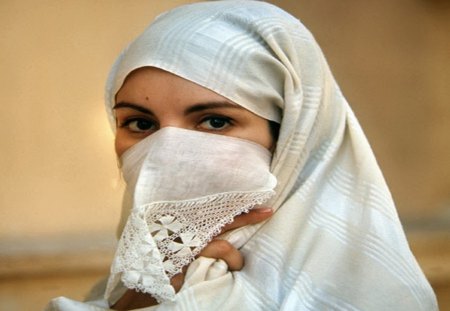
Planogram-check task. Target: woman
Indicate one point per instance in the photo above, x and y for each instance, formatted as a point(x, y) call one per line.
point(253, 74)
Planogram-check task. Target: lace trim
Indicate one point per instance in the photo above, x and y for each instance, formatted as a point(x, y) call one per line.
point(160, 238)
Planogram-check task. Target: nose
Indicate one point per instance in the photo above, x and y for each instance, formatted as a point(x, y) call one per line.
point(174, 122)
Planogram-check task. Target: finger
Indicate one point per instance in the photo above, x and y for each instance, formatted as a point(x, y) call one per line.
point(134, 300)
point(252, 217)
point(178, 279)
point(221, 249)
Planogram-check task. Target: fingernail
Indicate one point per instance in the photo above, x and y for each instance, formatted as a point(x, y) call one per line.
point(263, 210)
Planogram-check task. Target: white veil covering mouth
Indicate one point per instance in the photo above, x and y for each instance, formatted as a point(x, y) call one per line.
point(186, 185)
point(335, 241)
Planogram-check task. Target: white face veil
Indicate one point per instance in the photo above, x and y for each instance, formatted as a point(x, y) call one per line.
point(186, 186)
point(335, 241)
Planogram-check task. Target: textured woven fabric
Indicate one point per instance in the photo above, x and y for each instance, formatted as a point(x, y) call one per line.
point(335, 241)
point(186, 186)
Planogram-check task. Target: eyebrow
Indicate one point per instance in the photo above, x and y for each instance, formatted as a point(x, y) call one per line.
point(210, 105)
point(132, 106)
point(195, 108)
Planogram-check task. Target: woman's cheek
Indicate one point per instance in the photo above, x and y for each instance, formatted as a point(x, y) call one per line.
point(121, 143)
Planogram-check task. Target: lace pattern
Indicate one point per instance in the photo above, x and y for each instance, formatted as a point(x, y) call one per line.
point(160, 238)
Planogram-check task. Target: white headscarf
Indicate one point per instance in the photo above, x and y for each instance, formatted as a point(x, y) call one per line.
point(335, 241)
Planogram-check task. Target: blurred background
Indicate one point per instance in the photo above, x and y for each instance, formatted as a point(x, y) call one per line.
point(60, 189)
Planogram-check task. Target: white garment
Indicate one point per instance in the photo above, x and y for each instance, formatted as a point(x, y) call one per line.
point(187, 185)
point(335, 241)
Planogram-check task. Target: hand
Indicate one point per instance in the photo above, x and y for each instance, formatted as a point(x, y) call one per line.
point(219, 249)
point(222, 249)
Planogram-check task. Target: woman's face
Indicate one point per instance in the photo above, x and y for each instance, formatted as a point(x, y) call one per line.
point(151, 99)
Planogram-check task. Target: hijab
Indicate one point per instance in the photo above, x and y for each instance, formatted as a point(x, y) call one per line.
point(335, 240)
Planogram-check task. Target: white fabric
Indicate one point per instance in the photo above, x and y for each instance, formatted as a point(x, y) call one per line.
point(335, 241)
point(187, 185)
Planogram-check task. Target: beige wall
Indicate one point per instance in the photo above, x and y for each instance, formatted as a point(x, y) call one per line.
point(57, 168)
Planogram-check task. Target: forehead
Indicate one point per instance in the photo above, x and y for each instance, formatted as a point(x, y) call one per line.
point(153, 82)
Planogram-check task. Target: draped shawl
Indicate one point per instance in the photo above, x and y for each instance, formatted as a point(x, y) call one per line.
point(335, 241)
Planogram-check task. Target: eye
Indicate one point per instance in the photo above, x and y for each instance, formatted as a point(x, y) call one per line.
point(215, 123)
point(139, 125)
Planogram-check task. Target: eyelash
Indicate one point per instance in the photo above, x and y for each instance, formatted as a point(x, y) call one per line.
point(227, 120)
point(153, 125)
point(126, 124)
